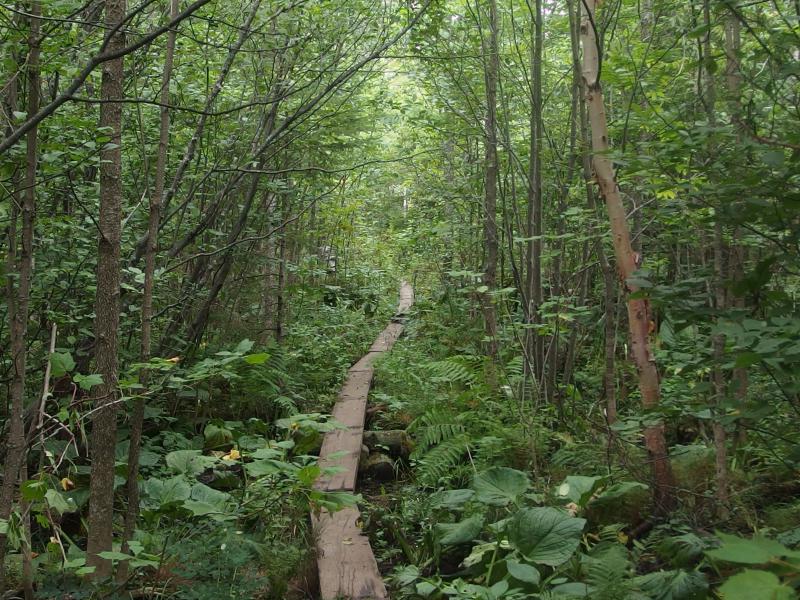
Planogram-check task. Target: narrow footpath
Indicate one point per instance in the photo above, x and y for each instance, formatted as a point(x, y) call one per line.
point(346, 564)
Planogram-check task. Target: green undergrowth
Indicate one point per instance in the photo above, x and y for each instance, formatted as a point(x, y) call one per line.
point(227, 466)
point(502, 500)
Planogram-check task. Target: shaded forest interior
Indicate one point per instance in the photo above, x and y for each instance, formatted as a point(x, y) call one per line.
point(206, 209)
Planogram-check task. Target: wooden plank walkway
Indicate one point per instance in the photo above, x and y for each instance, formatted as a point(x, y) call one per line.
point(346, 564)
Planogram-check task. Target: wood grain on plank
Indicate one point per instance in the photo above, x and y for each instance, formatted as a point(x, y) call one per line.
point(346, 563)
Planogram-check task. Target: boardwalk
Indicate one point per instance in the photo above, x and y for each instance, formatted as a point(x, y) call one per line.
point(347, 567)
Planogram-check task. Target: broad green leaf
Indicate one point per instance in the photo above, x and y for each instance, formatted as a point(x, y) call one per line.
point(167, 491)
point(217, 436)
point(774, 158)
point(618, 490)
point(579, 488)
point(267, 466)
point(58, 502)
point(639, 282)
point(407, 575)
point(452, 499)
point(256, 359)
point(498, 589)
point(756, 585)
point(267, 453)
point(244, 346)
point(424, 589)
point(203, 493)
point(61, 363)
point(500, 486)
point(746, 359)
point(755, 551)
point(148, 459)
point(205, 500)
point(461, 532)
point(573, 589)
point(112, 555)
point(545, 536)
point(86, 382)
point(308, 474)
point(522, 572)
point(188, 462)
point(33, 489)
point(333, 501)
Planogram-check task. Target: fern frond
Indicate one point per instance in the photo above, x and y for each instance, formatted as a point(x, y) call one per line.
point(608, 572)
point(440, 462)
point(683, 550)
point(580, 458)
point(515, 367)
point(286, 405)
point(462, 369)
point(489, 449)
point(435, 427)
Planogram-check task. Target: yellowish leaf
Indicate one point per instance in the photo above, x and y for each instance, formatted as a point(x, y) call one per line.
point(234, 454)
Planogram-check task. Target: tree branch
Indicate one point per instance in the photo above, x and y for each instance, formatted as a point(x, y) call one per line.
point(97, 60)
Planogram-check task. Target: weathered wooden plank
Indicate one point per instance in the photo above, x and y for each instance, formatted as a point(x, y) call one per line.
point(357, 383)
point(350, 411)
point(340, 448)
point(364, 364)
point(387, 338)
point(345, 560)
point(346, 564)
point(406, 298)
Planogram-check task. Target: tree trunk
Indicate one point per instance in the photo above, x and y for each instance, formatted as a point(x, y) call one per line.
point(491, 70)
point(280, 292)
point(720, 386)
point(627, 263)
point(104, 421)
point(154, 218)
point(19, 299)
point(720, 296)
point(606, 270)
point(269, 274)
point(738, 252)
point(534, 339)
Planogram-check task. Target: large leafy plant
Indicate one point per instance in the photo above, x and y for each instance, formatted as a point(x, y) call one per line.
point(517, 549)
point(770, 569)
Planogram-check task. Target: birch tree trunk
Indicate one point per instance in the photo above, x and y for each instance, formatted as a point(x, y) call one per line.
point(627, 262)
point(606, 270)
